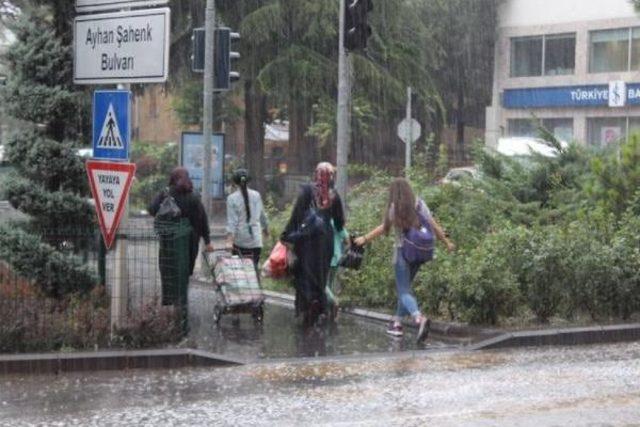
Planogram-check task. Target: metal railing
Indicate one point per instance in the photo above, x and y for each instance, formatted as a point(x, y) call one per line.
point(36, 315)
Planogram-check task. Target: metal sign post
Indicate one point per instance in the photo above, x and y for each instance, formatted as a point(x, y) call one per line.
point(207, 99)
point(409, 131)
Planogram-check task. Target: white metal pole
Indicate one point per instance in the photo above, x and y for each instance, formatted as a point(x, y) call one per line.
point(207, 110)
point(407, 149)
point(120, 295)
point(343, 118)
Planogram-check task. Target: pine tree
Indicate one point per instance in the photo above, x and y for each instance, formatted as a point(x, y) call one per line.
point(49, 183)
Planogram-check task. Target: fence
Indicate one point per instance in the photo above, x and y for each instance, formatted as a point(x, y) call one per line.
point(42, 309)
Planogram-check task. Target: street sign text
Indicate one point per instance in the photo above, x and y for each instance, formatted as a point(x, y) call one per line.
point(110, 184)
point(122, 47)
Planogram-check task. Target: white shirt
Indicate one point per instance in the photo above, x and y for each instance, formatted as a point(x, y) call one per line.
point(245, 235)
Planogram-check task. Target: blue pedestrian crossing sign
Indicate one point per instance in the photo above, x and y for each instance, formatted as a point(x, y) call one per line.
point(111, 124)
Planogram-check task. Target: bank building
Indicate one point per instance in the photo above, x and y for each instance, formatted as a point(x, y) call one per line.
point(572, 66)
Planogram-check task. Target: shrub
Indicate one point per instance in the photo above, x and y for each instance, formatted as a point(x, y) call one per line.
point(155, 325)
point(52, 272)
point(36, 323)
point(483, 287)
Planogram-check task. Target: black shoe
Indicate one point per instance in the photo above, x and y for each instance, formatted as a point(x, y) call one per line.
point(423, 329)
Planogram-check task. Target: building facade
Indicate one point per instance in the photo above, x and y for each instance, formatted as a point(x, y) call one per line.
point(572, 66)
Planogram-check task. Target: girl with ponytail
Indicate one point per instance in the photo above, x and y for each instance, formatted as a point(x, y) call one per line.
point(246, 219)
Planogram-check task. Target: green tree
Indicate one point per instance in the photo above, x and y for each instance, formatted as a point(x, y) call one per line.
point(49, 184)
point(464, 35)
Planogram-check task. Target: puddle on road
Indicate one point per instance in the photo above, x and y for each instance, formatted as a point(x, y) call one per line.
point(280, 335)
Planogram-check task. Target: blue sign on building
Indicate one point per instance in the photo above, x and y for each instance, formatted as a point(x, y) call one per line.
point(566, 96)
point(111, 124)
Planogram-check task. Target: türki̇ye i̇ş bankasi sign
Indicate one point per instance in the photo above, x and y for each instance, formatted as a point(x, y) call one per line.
point(122, 47)
point(572, 96)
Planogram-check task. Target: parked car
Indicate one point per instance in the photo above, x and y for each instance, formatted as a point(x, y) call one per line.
point(456, 175)
point(526, 146)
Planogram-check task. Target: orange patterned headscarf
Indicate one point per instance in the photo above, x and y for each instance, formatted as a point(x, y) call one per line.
point(323, 177)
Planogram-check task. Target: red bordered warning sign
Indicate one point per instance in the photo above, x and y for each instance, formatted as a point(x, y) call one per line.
point(110, 184)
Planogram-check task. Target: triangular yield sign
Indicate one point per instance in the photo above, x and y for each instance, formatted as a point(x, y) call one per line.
point(110, 136)
point(110, 184)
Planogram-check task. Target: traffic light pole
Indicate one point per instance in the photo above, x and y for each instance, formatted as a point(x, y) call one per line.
point(343, 118)
point(207, 110)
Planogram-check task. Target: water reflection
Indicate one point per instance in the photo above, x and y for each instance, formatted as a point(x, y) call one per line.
point(282, 335)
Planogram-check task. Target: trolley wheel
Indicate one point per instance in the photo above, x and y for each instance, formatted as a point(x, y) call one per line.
point(217, 314)
point(258, 313)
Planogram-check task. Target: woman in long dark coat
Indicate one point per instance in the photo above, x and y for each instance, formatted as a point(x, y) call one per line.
point(314, 252)
point(174, 288)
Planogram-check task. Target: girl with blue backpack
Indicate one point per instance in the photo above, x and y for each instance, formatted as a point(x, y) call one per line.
point(414, 244)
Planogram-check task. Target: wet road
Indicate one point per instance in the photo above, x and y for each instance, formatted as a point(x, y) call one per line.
point(281, 336)
point(578, 386)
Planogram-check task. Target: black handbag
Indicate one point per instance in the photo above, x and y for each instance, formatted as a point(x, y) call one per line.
point(352, 258)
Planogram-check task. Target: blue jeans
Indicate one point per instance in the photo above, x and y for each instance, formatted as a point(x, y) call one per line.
point(405, 273)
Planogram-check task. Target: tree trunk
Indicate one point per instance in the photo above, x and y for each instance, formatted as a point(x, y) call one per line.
point(302, 153)
point(460, 122)
point(254, 118)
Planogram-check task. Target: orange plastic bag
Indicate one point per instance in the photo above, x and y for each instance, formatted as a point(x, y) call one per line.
point(276, 266)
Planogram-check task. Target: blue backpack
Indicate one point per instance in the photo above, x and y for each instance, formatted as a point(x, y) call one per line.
point(418, 243)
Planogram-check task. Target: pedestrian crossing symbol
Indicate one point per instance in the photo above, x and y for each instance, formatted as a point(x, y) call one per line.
point(111, 124)
point(110, 137)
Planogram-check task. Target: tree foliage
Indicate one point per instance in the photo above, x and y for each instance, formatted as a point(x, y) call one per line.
point(49, 182)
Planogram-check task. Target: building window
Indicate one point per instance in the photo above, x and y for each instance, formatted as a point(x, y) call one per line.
point(559, 54)
point(552, 55)
point(604, 131)
point(634, 126)
point(526, 56)
point(522, 127)
point(610, 50)
point(561, 128)
point(635, 49)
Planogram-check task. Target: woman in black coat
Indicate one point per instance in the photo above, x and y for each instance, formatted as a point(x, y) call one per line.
point(174, 289)
point(313, 243)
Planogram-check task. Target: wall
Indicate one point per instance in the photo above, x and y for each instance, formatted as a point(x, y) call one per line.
point(519, 13)
point(153, 117)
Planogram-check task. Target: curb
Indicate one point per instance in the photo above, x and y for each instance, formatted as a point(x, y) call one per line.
point(453, 330)
point(489, 339)
point(563, 337)
point(54, 363)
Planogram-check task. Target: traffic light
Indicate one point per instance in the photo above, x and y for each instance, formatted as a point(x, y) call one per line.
point(223, 56)
point(197, 50)
point(356, 29)
point(224, 76)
